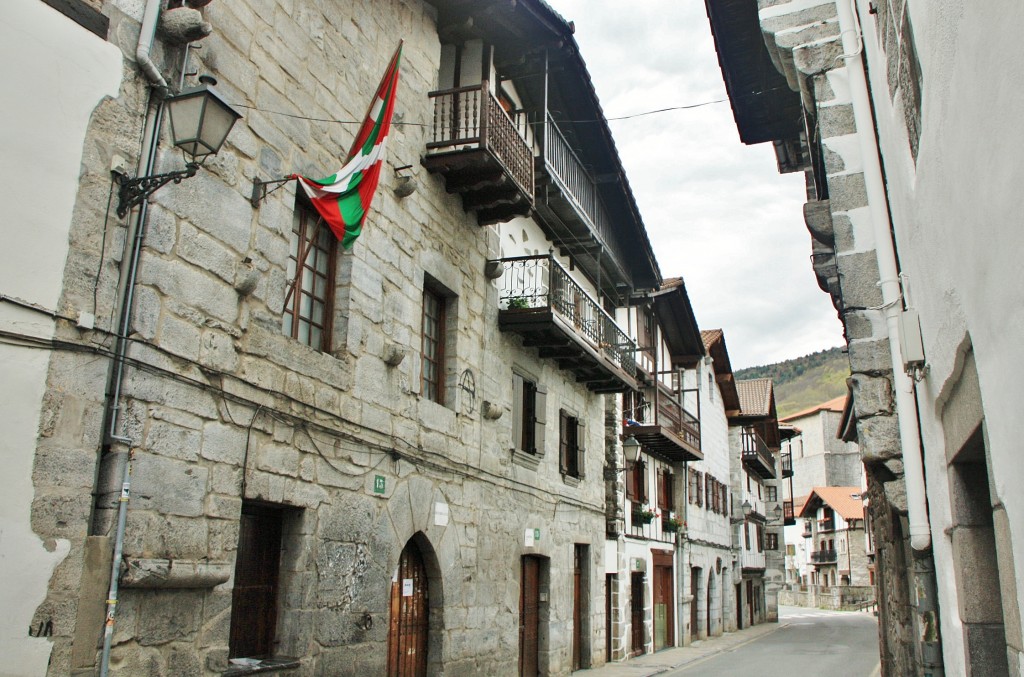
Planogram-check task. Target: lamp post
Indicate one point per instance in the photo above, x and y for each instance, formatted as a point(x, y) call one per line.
point(200, 122)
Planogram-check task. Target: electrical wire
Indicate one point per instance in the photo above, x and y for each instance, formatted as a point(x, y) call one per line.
point(416, 455)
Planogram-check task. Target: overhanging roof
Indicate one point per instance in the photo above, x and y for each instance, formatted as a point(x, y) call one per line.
point(678, 323)
point(764, 106)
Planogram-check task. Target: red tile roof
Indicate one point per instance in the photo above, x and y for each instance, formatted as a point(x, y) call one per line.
point(835, 404)
point(755, 396)
point(848, 502)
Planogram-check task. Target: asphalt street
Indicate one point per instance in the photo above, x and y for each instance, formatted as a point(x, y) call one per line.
point(808, 643)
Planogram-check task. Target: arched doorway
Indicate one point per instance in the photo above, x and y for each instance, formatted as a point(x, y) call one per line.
point(712, 591)
point(409, 628)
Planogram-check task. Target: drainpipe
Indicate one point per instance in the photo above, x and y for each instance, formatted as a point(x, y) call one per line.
point(906, 404)
point(117, 464)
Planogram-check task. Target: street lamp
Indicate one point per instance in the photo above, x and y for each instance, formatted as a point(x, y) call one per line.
point(778, 513)
point(200, 122)
point(631, 453)
point(746, 508)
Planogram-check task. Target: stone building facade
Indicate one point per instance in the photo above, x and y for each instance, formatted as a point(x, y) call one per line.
point(424, 450)
point(886, 107)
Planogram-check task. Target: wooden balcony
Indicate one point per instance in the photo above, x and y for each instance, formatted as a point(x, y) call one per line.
point(788, 516)
point(543, 304)
point(569, 203)
point(757, 457)
point(667, 429)
point(481, 153)
point(787, 464)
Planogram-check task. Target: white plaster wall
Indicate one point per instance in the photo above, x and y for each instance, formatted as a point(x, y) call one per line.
point(46, 109)
point(956, 216)
point(703, 524)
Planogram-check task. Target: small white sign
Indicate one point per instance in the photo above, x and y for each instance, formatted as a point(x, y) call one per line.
point(440, 514)
point(529, 538)
point(406, 587)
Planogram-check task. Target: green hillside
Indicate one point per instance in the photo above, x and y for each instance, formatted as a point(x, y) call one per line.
point(804, 381)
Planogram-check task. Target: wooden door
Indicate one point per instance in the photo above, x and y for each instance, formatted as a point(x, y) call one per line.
point(636, 604)
point(663, 616)
point(750, 602)
point(410, 616)
point(529, 618)
point(694, 588)
point(254, 597)
point(739, 607)
point(577, 608)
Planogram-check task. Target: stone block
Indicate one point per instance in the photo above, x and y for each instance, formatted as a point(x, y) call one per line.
point(203, 291)
point(167, 439)
point(169, 486)
point(870, 356)
point(836, 120)
point(847, 192)
point(879, 439)
point(166, 616)
point(204, 251)
point(858, 276)
point(224, 443)
point(62, 513)
point(871, 395)
point(977, 574)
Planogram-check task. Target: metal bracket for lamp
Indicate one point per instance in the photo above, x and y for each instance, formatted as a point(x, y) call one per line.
point(134, 190)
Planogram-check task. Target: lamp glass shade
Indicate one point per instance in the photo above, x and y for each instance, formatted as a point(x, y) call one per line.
point(631, 449)
point(777, 511)
point(200, 121)
point(746, 507)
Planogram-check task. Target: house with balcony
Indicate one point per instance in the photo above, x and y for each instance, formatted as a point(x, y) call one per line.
point(384, 460)
point(757, 506)
point(709, 585)
point(834, 530)
point(662, 433)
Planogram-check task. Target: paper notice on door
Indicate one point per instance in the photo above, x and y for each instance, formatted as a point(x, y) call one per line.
point(406, 587)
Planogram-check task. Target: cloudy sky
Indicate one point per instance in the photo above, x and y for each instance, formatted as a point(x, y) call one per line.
point(717, 211)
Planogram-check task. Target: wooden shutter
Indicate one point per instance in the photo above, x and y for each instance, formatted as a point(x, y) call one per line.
point(631, 481)
point(581, 448)
point(540, 418)
point(670, 480)
point(517, 411)
point(563, 442)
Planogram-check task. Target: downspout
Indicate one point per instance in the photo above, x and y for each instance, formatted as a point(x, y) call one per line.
point(906, 404)
point(121, 460)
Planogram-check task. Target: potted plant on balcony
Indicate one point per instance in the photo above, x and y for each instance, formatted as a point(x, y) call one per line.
point(518, 303)
point(672, 524)
point(645, 514)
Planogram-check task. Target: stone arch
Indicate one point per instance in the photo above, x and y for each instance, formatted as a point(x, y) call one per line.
point(414, 513)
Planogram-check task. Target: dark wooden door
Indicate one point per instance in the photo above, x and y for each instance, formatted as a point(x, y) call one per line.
point(529, 618)
point(739, 607)
point(410, 616)
point(694, 587)
point(664, 619)
point(750, 602)
point(577, 608)
point(254, 598)
point(636, 604)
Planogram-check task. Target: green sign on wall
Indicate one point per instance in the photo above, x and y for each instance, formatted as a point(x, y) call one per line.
point(379, 484)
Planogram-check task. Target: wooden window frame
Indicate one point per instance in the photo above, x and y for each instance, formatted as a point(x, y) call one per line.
point(434, 308)
point(529, 415)
point(306, 224)
point(571, 445)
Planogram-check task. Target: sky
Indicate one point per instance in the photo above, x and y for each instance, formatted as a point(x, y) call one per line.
point(717, 211)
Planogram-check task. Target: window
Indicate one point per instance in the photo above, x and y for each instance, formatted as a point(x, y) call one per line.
point(636, 489)
point(254, 597)
point(773, 492)
point(571, 436)
point(700, 489)
point(529, 405)
point(746, 535)
point(665, 496)
point(691, 486)
point(309, 299)
point(432, 350)
point(760, 538)
point(771, 541)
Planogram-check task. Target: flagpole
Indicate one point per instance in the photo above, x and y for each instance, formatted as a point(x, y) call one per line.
point(301, 263)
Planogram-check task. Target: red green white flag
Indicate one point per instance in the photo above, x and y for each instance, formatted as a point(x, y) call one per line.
point(343, 198)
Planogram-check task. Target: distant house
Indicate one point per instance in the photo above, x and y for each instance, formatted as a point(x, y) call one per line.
point(834, 524)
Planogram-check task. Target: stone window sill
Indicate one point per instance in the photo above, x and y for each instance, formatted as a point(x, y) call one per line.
point(571, 481)
point(267, 665)
point(531, 461)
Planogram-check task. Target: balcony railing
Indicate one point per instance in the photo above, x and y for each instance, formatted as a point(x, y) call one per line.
point(788, 516)
point(574, 180)
point(751, 560)
point(653, 528)
point(827, 525)
point(823, 556)
point(787, 464)
point(537, 291)
point(756, 455)
point(479, 148)
point(667, 429)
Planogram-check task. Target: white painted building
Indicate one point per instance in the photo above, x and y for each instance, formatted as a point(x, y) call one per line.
point(49, 101)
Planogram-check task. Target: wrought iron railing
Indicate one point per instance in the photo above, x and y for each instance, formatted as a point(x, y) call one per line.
point(823, 556)
point(787, 464)
point(531, 282)
point(471, 117)
point(672, 415)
